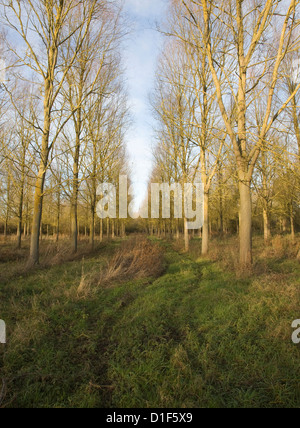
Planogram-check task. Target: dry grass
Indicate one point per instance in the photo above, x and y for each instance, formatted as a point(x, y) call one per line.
point(226, 252)
point(137, 258)
point(14, 262)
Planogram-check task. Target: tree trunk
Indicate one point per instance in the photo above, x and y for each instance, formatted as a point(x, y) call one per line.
point(292, 223)
point(296, 121)
point(101, 230)
point(177, 231)
point(284, 225)
point(19, 235)
point(74, 210)
point(58, 217)
point(107, 228)
point(8, 206)
point(37, 216)
point(40, 182)
point(267, 229)
point(5, 227)
point(113, 229)
point(245, 224)
point(92, 232)
point(186, 236)
point(20, 213)
point(205, 231)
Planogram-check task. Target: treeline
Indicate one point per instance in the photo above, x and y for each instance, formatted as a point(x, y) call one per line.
point(63, 114)
point(226, 103)
point(227, 109)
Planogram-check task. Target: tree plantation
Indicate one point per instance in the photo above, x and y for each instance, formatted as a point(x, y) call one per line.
point(187, 299)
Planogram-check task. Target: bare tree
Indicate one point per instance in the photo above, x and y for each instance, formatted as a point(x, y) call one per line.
point(241, 30)
point(44, 29)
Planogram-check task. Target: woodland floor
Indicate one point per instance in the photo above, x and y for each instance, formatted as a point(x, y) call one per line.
point(200, 334)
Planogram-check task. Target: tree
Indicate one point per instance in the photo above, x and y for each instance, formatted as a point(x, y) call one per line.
point(90, 76)
point(172, 103)
point(241, 29)
point(43, 28)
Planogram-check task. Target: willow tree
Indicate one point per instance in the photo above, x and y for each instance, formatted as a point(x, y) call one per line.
point(42, 29)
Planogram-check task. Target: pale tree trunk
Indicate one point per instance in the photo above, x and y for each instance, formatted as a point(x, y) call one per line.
point(113, 229)
point(296, 122)
point(267, 229)
point(245, 228)
point(93, 196)
point(101, 230)
point(221, 197)
point(37, 217)
point(92, 232)
point(38, 196)
point(19, 232)
point(292, 223)
point(205, 231)
point(178, 230)
point(7, 206)
point(26, 225)
point(74, 201)
point(74, 223)
point(107, 228)
point(186, 235)
point(58, 206)
point(266, 219)
point(21, 201)
point(284, 225)
point(58, 220)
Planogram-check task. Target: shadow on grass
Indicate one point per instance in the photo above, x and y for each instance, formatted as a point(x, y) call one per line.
point(195, 337)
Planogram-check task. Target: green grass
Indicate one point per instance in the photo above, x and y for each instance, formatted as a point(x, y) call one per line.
point(195, 337)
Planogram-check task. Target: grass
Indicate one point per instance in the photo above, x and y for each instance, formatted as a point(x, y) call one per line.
point(197, 336)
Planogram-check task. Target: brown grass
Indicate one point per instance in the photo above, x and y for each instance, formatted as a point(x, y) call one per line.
point(14, 262)
point(137, 258)
point(226, 252)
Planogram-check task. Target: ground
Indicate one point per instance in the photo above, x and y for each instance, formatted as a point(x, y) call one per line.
point(200, 334)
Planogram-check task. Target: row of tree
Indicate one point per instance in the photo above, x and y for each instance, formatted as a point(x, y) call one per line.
point(63, 113)
point(227, 108)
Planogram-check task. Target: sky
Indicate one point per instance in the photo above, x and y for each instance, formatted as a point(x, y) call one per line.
point(142, 50)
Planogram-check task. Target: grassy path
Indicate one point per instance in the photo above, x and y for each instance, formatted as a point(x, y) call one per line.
point(195, 337)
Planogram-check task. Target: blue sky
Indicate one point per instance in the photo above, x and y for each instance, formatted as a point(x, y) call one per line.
point(143, 47)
